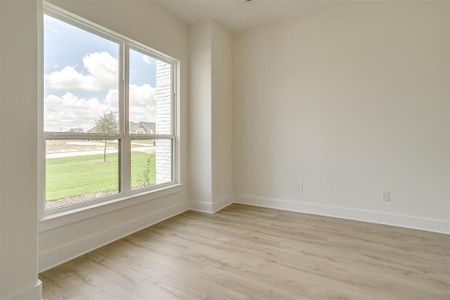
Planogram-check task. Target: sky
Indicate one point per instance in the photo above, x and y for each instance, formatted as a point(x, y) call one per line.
point(81, 78)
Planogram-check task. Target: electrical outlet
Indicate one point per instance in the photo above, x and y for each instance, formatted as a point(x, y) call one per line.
point(217, 188)
point(387, 196)
point(300, 187)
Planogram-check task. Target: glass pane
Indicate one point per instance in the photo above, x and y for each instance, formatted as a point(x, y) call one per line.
point(151, 162)
point(149, 95)
point(80, 80)
point(80, 170)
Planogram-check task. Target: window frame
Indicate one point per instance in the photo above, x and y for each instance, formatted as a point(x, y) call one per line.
point(123, 136)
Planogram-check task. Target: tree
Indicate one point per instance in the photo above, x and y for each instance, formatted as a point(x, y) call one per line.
point(76, 129)
point(107, 123)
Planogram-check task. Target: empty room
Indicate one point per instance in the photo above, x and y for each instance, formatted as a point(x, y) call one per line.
point(224, 149)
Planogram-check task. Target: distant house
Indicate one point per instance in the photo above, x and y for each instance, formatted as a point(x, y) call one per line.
point(142, 128)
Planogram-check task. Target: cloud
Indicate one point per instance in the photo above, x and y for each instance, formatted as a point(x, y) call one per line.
point(102, 69)
point(69, 111)
point(63, 113)
point(142, 103)
point(146, 59)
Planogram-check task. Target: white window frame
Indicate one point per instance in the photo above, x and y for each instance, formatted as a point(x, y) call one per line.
point(123, 136)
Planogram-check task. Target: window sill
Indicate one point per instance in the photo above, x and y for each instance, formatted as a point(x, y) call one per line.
point(81, 213)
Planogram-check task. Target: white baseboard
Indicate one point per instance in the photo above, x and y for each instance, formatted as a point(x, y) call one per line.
point(212, 207)
point(68, 251)
point(31, 293)
point(222, 203)
point(407, 221)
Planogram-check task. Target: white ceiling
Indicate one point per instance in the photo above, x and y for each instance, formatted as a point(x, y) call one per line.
point(239, 15)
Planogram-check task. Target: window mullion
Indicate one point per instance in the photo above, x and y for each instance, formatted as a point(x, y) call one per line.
point(126, 141)
point(174, 124)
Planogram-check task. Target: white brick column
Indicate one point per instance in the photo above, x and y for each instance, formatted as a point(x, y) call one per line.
point(163, 156)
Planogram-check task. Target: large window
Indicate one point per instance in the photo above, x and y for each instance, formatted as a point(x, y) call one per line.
point(108, 114)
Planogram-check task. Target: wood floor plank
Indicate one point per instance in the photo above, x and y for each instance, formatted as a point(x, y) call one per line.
point(246, 252)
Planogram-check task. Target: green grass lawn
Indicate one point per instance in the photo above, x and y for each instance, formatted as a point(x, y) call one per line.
point(74, 176)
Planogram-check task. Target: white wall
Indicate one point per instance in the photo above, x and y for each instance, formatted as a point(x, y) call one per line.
point(349, 102)
point(18, 159)
point(200, 149)
point(147, 23)
point(222, 115)
point(211, 120)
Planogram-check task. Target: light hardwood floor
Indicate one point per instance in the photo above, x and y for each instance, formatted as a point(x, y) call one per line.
point(246, 252)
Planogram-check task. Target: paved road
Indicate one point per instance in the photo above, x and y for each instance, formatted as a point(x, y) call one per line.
point(95, 152)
